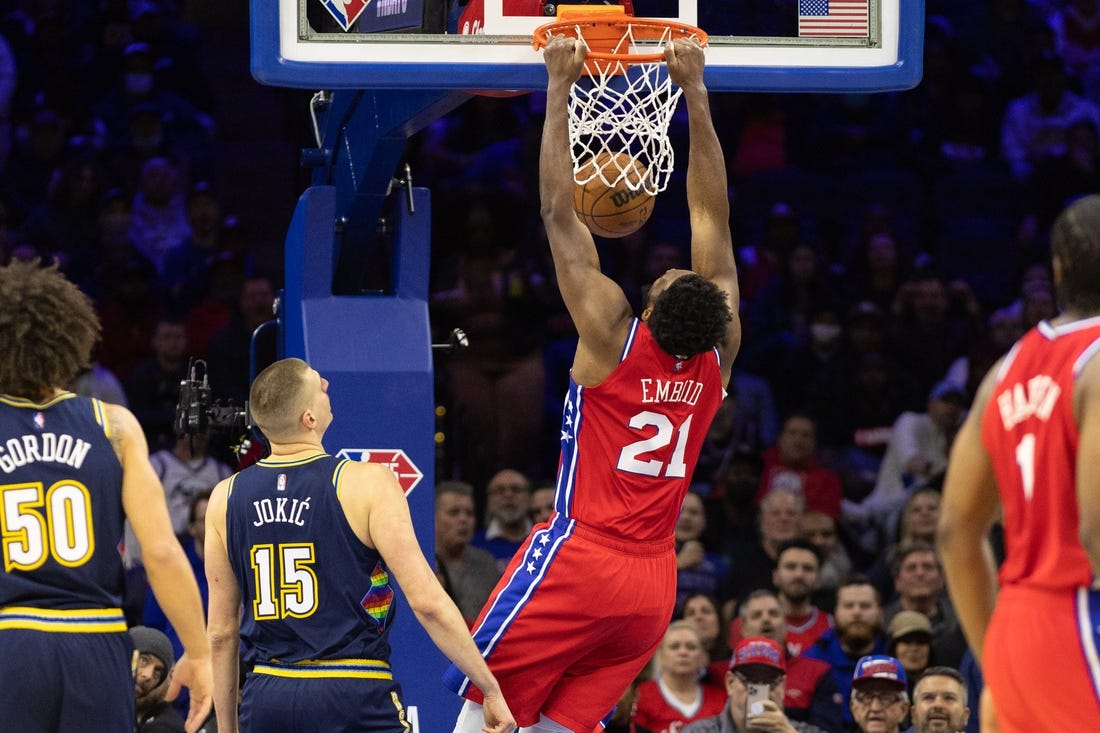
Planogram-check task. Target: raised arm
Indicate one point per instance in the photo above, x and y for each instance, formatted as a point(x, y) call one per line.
point(707, 191)
point(224, 623)
point(597, 304)
point(378, 512)
point(169, 572)
point(970, 505)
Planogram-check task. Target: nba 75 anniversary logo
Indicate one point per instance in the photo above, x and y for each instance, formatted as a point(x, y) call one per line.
point(346, 12)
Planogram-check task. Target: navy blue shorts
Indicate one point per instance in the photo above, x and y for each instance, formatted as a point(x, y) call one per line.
point(283, 699)
point(56, 682)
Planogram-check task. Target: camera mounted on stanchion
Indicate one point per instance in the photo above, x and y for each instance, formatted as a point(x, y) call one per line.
point(198, 412)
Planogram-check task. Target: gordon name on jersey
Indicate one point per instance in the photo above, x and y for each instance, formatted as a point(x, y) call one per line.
point(42, 447)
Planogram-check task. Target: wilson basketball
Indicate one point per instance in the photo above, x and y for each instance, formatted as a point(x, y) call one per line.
point(612, 211)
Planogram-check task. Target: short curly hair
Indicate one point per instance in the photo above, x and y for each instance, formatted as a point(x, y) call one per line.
point(690, 316)
point(47, 330)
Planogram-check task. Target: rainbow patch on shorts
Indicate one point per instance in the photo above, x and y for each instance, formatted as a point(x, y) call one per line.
point(378, 602)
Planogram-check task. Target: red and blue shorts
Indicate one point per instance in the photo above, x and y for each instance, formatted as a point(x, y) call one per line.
point(572, 622)
point(1040, 660)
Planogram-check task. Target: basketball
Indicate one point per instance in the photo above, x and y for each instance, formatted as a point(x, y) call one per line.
point(612, 211)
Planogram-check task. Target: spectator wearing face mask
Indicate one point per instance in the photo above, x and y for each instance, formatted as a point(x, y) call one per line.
point(810, 373)
point(139, 87)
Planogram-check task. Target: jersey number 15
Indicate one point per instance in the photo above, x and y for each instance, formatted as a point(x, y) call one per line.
point(285, 582)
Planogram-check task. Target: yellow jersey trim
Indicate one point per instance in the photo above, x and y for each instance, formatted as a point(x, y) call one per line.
point(100, 416)
point(269, 463)
point(12, 401)
point(373, 669)
point(337, 474)
point(71, 621)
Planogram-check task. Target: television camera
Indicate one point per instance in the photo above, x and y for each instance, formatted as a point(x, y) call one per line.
point(197, 411)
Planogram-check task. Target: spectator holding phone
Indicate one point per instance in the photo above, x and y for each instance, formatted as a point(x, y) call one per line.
point(755, 687)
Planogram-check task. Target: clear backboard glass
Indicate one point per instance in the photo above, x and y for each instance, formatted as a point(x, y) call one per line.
point(780, 45)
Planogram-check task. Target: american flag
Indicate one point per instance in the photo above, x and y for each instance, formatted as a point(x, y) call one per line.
point(833, 18)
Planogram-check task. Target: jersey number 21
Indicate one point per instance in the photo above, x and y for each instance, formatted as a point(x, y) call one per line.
point(631, 456)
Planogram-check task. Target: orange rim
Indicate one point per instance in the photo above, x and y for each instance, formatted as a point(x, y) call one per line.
point(602, 34)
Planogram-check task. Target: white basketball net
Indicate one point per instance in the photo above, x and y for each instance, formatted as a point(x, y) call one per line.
point(627, 113)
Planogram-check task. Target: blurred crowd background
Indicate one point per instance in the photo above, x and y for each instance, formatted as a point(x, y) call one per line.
point(890, 247)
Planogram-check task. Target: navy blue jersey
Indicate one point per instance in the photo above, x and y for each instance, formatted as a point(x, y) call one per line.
point(311, 589)
point(61, 509)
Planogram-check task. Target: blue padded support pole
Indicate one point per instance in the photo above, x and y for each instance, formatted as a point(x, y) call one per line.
point(362, 138)
point(375, 350)
point(374, 344)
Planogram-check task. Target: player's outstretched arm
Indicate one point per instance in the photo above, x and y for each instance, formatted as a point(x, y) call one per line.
point(970, 505)
point(707, 189)
point(166, 566)
point(597, 305)
point(372, 491)
point(224, 624)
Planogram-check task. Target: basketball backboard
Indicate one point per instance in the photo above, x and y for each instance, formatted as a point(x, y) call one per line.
point(755, 45)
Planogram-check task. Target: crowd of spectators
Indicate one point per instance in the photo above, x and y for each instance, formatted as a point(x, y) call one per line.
point(108, 165)
point(891, 247)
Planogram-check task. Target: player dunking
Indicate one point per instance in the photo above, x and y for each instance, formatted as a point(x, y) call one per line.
point(588, 597)
point(71, 469)
point(1032, 444)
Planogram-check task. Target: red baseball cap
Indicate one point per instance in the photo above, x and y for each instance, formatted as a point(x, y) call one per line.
point(758, 651)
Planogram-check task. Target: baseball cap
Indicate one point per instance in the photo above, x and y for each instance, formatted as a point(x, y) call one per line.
point(946, 390)
point(879, 667)
point(758, 651)
point(153, 641)
point(905, 623)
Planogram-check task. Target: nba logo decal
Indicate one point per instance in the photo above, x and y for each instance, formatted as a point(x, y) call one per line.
point(346, 12)
point(280, 483)
point(40, 420)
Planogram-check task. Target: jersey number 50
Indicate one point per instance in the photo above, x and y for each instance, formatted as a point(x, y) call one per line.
point(39, 524)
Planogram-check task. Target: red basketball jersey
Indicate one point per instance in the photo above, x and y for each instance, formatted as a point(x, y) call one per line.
point(1031, 434)
point(629, 444)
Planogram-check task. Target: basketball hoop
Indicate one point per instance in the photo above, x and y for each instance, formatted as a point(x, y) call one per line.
point(625, 100)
